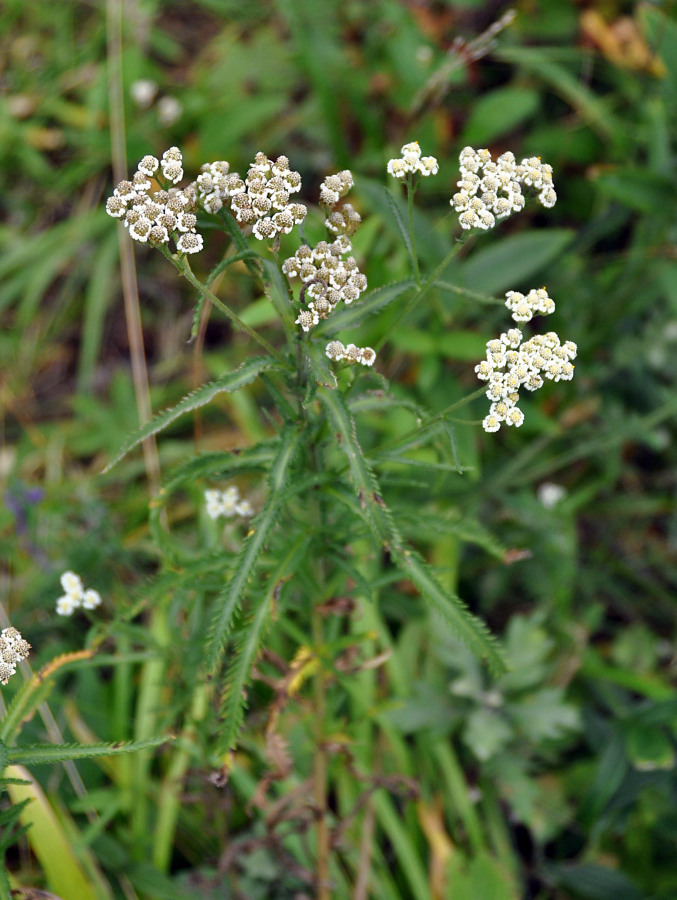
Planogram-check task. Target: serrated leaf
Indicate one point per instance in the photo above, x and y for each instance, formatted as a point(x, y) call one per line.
point(246, 647)
point(470, 629)
point(221, 464)
point(367, 305)
point(320, 370)
point(46, 754)
point(228, 601)
point(232, 381)
point(404, 231)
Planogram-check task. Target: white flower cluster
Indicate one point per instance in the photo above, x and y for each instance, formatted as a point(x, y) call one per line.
point(352, 354)
point(13, 649)
point(523, 308)
point(75, 595)
point(491, 190)
point(411, 162)
point(156, 217)
point(327, 277)
point(261, 200)
point(511, 364)
point(227, 503)
point(335, 187)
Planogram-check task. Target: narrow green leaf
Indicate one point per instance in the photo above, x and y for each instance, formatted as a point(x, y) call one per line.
point(246, 647)
point(367, 305)
point(404, 231)
point(230, 598)
point(228, 261)
point(278, 291)
point(593, 110)
point(232, 381)
point(321, 371)
point(451, 434)
point(46, 754)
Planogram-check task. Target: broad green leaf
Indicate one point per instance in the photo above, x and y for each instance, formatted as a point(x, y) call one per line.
point(649, 749)
point(506, 264)
point(497, 113)
point(321, 371)
point(229, 600)
point(226, 383)
point(639, 189)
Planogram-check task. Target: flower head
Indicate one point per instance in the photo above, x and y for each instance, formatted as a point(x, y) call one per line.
point(153, 217)
point(75, 595)
point(412, 163)
point(493, 190)
point(13, 649)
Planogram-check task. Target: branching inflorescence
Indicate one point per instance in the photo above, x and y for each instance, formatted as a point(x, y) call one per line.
point(488, 190)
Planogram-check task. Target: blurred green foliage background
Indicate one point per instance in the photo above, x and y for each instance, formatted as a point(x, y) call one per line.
point(559, 780)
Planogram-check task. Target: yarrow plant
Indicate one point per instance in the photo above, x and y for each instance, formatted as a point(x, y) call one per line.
point(323, 492)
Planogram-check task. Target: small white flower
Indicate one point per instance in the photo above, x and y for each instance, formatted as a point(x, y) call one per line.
point(515, 417)
point(229, 501)
point(172, 171)
point(91, 599)
point(397, 168)
point(306, 319)
point(491, 423)
point(72, 584)
point(143, 92)
point(190, 242)
point(169, 111)
point(367, 356)
point(148, 165)
point(66, 605)
point(213, 504)
point(244, 509)
point(550, 494)
point(335, 350)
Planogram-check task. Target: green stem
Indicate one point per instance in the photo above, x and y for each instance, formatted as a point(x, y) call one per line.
point(183, 266)
point(411, 190)
point(432, 421)
point(422, 290)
